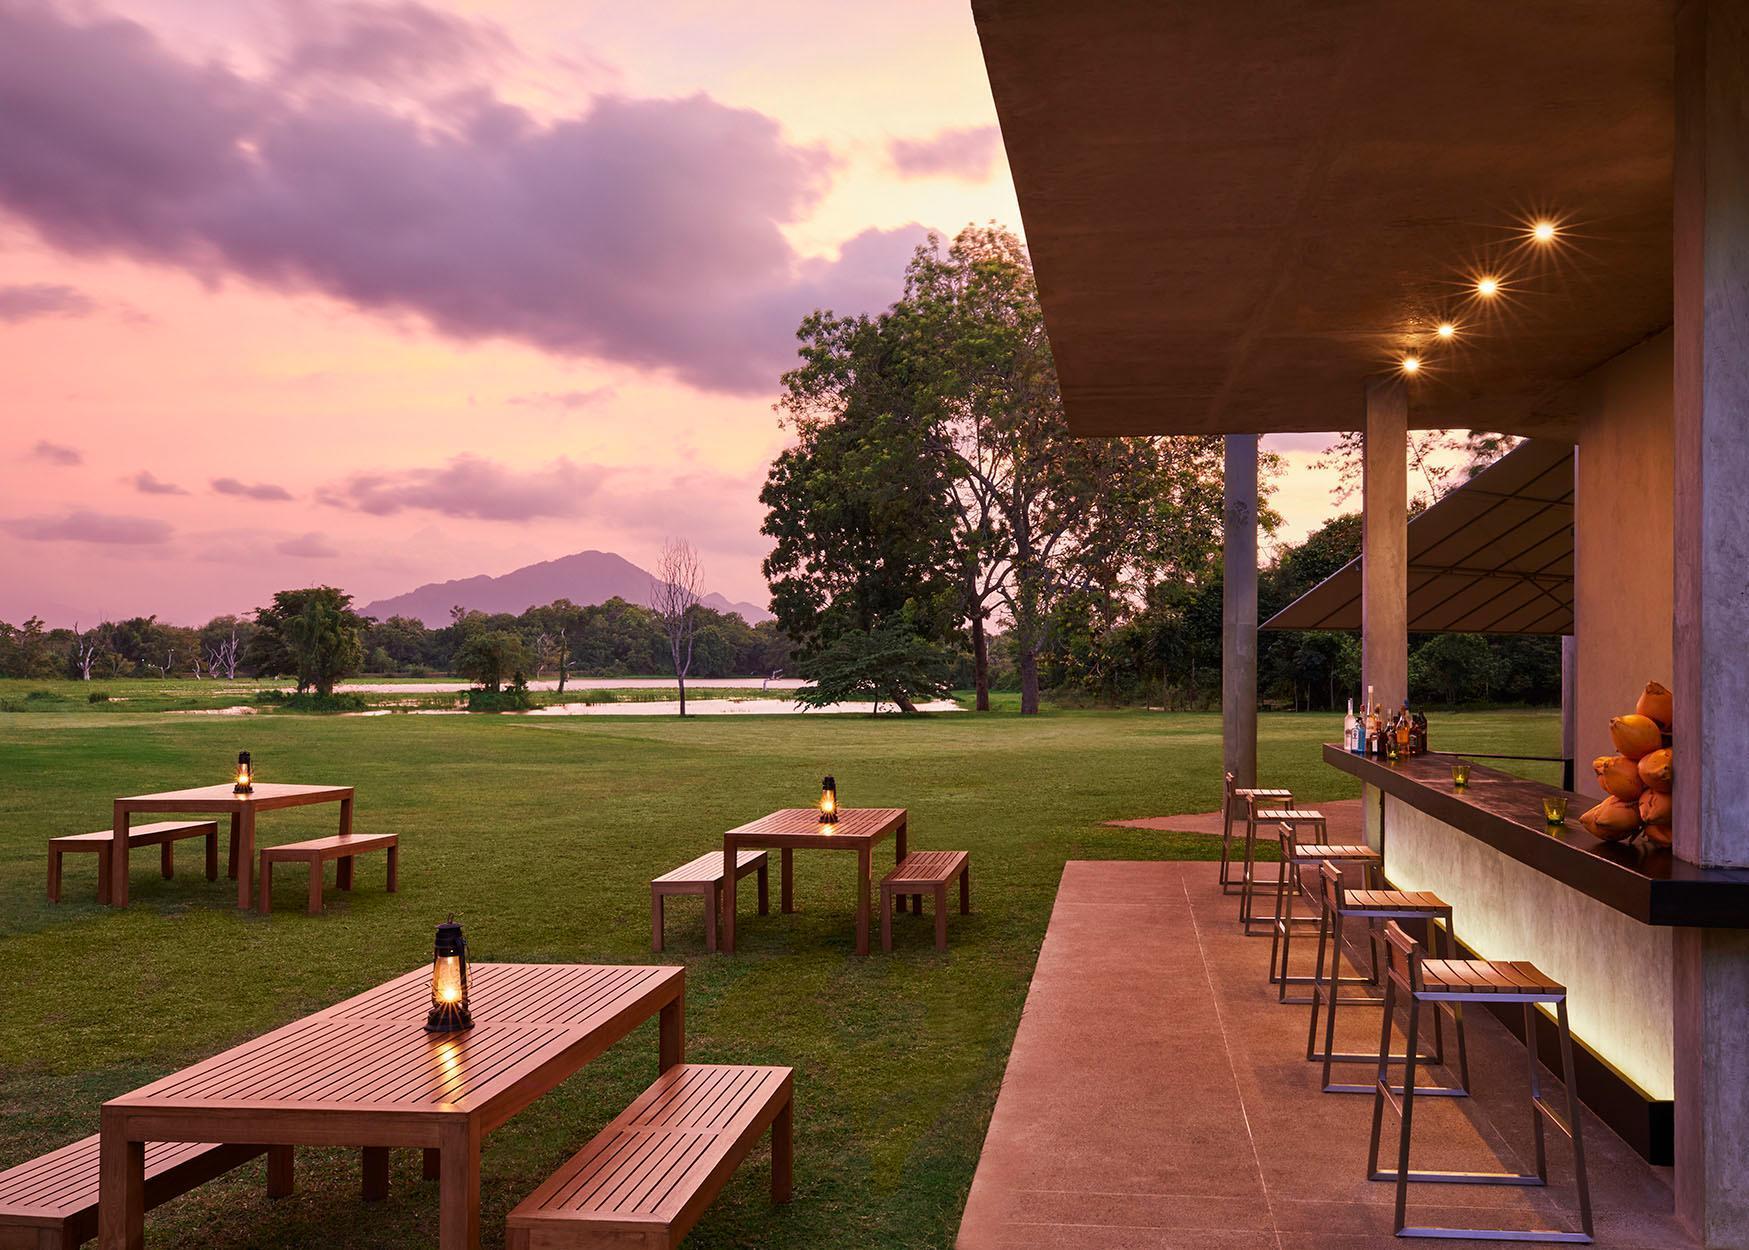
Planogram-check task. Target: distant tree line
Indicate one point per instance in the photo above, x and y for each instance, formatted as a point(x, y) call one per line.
point(315, 636)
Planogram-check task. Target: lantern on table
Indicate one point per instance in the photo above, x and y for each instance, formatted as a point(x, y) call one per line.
point(449, 981)
point(828, 801)
point(245, 782)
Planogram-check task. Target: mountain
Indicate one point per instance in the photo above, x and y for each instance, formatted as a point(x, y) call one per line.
point(585, 578)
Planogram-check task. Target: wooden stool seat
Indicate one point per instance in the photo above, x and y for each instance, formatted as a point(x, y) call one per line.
point(704, 877)
point(933, 871)
point(1241, 803)
point(1411, 975)
point(51, 1201)
point(646, 1178)
point(1409, 902)
point(318, 851)
point(164, 833)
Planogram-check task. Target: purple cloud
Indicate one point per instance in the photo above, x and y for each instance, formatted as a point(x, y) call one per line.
point(147, 483)
point(56, 453)
point(384, 43)
point(568, 400)
point(648, 232)
point(967, 152)
point(471, 487)
point(81, 526)
point(26, 301)
point(263, 492)
point(309, 546)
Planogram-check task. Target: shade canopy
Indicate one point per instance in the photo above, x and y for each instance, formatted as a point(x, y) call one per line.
point(1494, 556)
point(1238, 213)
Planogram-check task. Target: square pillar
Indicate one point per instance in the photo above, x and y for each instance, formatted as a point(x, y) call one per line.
point(1711, 973)
point(1384, 565)
point(1239, 610)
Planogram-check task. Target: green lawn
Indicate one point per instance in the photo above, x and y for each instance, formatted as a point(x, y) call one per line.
point(541, 834)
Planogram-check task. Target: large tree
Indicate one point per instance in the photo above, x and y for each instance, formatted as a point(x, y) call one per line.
point(674, 596)
point(312, 634)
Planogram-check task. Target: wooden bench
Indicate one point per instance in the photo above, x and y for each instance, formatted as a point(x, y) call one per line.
point(704, 877)
point(647, 1177)
point(920, 871)
point(318, 851)
point(50, 1203)
point(165, 834)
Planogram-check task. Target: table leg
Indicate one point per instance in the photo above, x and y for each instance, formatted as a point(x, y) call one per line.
point(862, 874)
point(786, 888)
point(236, 836)
point(121, 1206)
point(671, 1041)
point(212, 854)
point(727, 945)
point(346, 817)
point(282, 1176)
point(117, 894)
point(458, 1225)
point(167, 860)
point(431, 1163)
point(899, 858)
point(245, 858)
point(374, 1182)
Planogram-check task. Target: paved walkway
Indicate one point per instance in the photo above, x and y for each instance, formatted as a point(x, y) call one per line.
point(1156, 1096)
point(1343, 816)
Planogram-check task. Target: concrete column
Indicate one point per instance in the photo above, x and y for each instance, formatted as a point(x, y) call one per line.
point(1239, 611)
point(1569, 705)
point(1711, 974)
point(1384, 572)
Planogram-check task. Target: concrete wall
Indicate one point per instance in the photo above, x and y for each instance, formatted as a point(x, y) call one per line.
point(1622, 519)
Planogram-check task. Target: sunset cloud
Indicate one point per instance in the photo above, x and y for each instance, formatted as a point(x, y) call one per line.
point(27, 301)
point(588, 235)
point(568, 400)
point(81, 526)
point(263, 492)
point(399, 43)
point(148, 483)
point(471, 487)
point(311, 546)
point(56, 453)
point(967, 152)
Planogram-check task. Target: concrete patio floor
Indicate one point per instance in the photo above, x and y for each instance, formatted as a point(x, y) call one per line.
point(1157, 1096)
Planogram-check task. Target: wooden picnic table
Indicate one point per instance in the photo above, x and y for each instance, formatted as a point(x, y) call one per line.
point(366, 1073)
point(858, 829)
point(266, 797)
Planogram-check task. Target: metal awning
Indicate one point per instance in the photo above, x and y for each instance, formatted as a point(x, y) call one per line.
point(1495, 556)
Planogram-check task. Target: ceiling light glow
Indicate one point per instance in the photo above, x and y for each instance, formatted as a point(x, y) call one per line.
point(1488, 287)
point(1445, 330)
point(1543, 231)
point(1411, 364)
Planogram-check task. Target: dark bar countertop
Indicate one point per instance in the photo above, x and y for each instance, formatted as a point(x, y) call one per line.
point(1646, 882)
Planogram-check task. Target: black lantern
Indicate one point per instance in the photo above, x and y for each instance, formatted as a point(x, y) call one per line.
point(828, 801)
point(449, 981)
point(245, 783)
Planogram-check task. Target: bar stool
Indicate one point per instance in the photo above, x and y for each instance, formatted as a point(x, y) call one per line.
point(1247, 903)
point(1423, 980)
point(1246, 798)
point(1295, 856)
point(1373, 906)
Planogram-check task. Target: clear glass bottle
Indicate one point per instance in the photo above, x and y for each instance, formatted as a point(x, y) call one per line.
point(1350, 729)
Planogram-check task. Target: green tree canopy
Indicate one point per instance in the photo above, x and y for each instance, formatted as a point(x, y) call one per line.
point(312, 634)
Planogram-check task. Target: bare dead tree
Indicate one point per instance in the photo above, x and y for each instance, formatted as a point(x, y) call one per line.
point(674, 598)
point(163, 670)
point(222, 658)
point(84, 651)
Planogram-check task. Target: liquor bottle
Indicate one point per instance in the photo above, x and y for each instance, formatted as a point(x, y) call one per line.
point(1372, 728)
point(1404, 731)
point(1420, 734)
point(1350, 730)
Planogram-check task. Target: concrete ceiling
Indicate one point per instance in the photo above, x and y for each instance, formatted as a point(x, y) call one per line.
point(1239, 212)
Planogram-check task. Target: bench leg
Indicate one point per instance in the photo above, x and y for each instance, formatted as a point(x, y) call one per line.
point(343, 873)
point(231, 858)
point(264, 903)
point(374, 1183)
point(786, 888)
point(941, 916)
point(655, 921)
point(966, 890)
point(764, 888)
point(886, 931)
point(431, 1163)
point(315, 887)
point(212, 854)
point(105, 876)
point(55, 875)
point(783, 1159)
point(281, 1178)
point(713, 903)
point(394, 883)
point(167, 860)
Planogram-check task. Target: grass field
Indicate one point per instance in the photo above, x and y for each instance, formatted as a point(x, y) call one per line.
point(542, 835)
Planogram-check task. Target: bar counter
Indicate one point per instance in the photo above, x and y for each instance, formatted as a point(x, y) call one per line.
point(1597, 916)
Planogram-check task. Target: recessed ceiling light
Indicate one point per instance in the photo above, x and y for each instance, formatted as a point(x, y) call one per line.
point(1488, 287)
point(1445, 330)
point(1543, 231)
point(1411, 364)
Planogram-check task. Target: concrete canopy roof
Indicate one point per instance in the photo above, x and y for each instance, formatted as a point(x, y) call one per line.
point(1494, 556)
point(1240, 212)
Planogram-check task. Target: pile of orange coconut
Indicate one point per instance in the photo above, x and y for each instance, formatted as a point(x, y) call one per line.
point(1637, 779)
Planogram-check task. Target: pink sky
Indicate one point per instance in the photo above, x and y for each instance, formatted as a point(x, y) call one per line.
point(381, 294)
